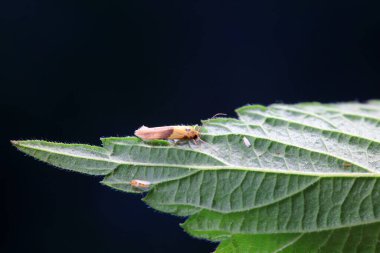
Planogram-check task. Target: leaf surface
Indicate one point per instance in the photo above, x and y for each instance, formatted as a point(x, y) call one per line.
point(308, 182)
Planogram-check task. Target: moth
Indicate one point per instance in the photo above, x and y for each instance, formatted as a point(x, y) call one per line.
point(169, 133)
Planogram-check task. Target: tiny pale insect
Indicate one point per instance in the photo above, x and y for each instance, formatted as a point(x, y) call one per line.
point(247, 143)
point(142, 184)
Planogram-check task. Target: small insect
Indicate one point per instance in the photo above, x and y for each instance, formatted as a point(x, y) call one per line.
point(247, 143)
point(347, 164)
point(141, 184)
point(169, 133)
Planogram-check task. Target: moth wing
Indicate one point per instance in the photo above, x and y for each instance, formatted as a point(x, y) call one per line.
point(154, 133)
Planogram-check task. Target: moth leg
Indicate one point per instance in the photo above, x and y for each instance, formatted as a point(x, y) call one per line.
point(205, 142)
point(179, 142)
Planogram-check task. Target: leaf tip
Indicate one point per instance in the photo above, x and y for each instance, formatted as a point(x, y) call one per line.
point(16, 144)
point(105, 182)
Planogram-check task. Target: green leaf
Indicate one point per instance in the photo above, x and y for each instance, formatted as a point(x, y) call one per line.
point(308, 182)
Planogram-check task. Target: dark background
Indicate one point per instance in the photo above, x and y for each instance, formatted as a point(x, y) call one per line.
point(76, 70)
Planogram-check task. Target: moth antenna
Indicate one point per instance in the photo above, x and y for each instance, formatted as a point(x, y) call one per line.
point(219, 114)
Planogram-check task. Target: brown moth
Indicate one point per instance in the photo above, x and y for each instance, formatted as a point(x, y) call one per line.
point(169, 133)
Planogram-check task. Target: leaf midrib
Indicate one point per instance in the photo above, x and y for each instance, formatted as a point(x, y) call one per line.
point(214, 167)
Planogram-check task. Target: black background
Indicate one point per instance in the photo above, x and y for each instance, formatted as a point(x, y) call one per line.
point(77, 70)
